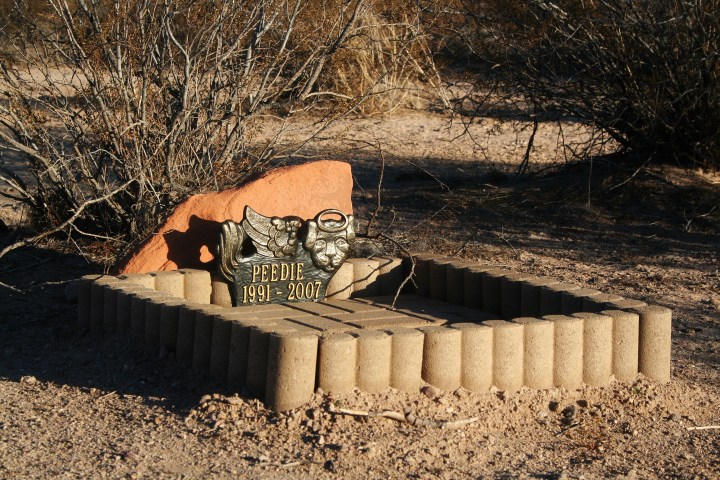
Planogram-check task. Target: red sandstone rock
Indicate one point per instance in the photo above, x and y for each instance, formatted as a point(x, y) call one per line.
point(189, 236)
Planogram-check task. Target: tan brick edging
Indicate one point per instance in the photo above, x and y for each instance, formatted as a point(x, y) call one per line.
point(458, 324)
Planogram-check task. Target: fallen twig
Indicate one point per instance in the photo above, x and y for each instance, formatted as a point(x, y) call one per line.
point(706, 427)
point(289, 464)
point(11, 288)
point(101, 397)
point(113, 392)
point(571, 427)
point(406, 417)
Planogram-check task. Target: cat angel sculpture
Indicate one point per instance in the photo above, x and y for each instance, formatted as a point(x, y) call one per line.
point(283, 259)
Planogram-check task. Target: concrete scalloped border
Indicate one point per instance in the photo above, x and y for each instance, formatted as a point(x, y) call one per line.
point(529, 331)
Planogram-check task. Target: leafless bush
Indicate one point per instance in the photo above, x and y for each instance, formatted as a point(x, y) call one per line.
point(644, 73)
point(121, 109)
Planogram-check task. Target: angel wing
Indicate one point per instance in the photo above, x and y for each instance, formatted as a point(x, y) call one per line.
point(272, 236)
point(232, 237)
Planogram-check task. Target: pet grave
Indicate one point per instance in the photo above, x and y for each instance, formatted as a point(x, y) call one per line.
point(285, 313)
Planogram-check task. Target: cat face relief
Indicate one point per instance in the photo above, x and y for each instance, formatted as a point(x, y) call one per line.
point(328, 241)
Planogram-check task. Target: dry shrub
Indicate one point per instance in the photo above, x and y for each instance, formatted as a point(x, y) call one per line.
point(645, 74)
point(121, 109)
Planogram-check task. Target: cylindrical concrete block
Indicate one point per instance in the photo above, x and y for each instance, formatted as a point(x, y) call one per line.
point(539, 349)
point(572, 301)
point(257, 364)
point(597, 348)
point(152, 326)
point(146, 280)
point(202, 339)
point(238, 355)
point(406, 359)
point(292, 359)
point(365, 272)
point(626, 338)
point(550, 296)
point(530, 291)
point(491, 291)
point(374, 351)
point(510, 294)
point(220, 347)
point(337, 362)
point(442, 356)
point(655, 341)
point(220, 292)
point(237, 369)
point(84, 301)
point(508, 354)
point(477, 356)
point(472, 285)
point(599, 302)
point(340, 286)
point(137, 314)
point(437, 273)
point(124, 312)
point(390, 275)
point(138, 306)
point(169, 318)
point(256, 376)
point(409, 287)
point(110, 296)
point(97, 298)
point(455, 281)
point(197, 286)
point(186, 333)
point(568, 361)
point(171, 283)
point(421, 278)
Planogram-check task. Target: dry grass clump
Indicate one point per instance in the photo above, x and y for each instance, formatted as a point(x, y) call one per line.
point(388, 62)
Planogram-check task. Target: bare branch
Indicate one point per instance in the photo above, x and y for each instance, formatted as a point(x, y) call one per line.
point(66, 223)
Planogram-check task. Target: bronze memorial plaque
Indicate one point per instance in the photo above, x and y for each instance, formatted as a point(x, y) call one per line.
point(288, 259)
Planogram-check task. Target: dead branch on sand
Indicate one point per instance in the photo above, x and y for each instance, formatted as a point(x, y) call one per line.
point(406, 417)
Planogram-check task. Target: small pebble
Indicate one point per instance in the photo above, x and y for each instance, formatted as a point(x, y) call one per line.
point(542, 417)
point(431, 392)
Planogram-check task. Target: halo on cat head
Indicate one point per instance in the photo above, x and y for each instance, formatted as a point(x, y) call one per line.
point(332, 226)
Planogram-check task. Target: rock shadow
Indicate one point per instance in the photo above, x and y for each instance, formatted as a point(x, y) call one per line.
point(186, 248)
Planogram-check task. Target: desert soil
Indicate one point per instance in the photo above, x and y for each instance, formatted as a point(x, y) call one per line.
point(77, 407)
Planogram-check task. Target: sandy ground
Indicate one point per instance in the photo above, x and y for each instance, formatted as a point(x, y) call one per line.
point(77, 407)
